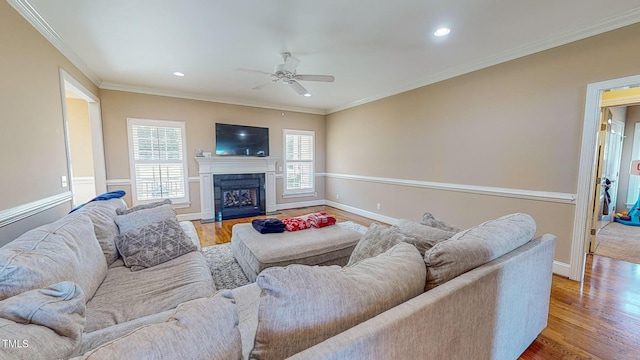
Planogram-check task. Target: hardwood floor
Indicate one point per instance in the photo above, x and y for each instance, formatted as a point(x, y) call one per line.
point(596, 319)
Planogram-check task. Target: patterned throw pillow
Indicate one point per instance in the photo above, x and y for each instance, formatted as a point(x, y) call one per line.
point(153, 244)
point(144, 217)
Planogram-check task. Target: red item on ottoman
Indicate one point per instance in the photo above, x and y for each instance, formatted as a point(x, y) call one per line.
point(321, 219)
point(295, 224)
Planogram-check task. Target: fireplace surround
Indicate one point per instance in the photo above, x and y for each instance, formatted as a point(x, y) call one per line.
point(234, 165)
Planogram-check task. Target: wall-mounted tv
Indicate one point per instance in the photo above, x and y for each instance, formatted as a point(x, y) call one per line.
point(241, 140)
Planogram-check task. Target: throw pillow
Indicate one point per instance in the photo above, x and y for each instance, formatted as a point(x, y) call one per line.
point(205, 329)
point(475, 246)
point(423, 237)
point(153, 244)
point(143, 206)
point(429, 220)
point(102, 214)
point(301, 305)
point(375, 241)
point(144, 217)
point(43, 323)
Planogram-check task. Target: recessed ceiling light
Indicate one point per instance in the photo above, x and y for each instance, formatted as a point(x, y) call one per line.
point(307, 94)
point(178, 73)
point(442, 31)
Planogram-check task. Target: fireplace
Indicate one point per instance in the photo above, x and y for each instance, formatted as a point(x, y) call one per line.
point(215, 166)
point(239, 195)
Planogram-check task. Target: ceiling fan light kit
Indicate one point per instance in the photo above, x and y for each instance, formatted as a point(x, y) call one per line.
point(285, 73)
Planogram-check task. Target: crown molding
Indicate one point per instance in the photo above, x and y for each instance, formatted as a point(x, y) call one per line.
point(191, 96)
point(39, 23)
point(608, 24)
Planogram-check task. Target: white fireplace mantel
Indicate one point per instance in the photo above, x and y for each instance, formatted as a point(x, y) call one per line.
point(218, 165)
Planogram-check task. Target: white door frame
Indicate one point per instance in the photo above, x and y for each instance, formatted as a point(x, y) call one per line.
point(585, 172)
point(67, 82)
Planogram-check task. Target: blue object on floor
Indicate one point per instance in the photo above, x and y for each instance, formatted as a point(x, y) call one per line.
point(106, 196)
point(634, 214)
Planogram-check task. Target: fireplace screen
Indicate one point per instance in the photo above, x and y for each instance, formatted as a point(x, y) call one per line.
point(240, 198)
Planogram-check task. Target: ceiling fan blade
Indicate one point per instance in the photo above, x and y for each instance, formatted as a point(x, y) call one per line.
point(298, 88)
point(254, 71)
point(260, 86)
point(325, 78)
point(290, 64)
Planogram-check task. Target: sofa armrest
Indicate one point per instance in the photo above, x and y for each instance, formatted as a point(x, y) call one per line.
point(190, 230)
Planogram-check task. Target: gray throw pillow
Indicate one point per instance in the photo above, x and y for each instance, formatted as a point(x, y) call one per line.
point(301, 305)
point(44, 323)
point(375, 241)
point(144, 217)
point(102, 214)
point(201, 329)
point(429, 220)
point(143, 206)
point(423, 237)
point(475, 246)
point(154, 244)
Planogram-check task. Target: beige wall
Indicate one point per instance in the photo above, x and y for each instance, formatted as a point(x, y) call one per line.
point(200, 118)
point(633, 117)
point(80, 137)
point(32, 146)
point(514, 125)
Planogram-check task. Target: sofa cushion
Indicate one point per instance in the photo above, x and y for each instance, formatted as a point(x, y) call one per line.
point(91, 340)
point(375, 241)
point(42, 323)
point(429, 220)
point(153, 244)
point(64, 250)
point(143, 206)
point(144, 217)
point(301, 305)
point(102, 214)
point(126, 295)
point(475, 246)
point(423, 237)
point(200, 329)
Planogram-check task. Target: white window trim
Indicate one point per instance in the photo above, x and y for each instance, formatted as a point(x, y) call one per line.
point(185, 202)
point(303, 192)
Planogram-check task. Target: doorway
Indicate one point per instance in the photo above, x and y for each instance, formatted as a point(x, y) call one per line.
point(587, 167)
point(86, 171)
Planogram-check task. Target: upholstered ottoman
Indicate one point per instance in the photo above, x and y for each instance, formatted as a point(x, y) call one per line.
point(330, 245)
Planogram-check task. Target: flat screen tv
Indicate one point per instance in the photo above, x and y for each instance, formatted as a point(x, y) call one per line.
point(241, 140)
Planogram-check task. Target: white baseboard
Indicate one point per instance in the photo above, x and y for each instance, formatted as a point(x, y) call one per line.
point(365, 213)
point(189, 217)
point(561, 268)
point(300, 204)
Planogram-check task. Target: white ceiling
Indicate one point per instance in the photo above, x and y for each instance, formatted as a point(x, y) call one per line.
point(374, 48)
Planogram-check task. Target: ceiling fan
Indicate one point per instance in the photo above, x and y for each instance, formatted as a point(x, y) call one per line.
point(286, 74)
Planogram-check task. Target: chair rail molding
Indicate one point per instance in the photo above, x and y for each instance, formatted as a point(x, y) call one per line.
point(23, 211)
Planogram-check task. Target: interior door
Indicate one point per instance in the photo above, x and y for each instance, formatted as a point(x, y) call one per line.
point(611, 167)
point(599, 193)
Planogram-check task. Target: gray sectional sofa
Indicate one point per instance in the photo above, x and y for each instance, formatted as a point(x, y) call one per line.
point(411, 291)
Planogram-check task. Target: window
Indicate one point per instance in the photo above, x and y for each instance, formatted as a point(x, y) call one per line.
point(299, 163)
point(157, 156)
